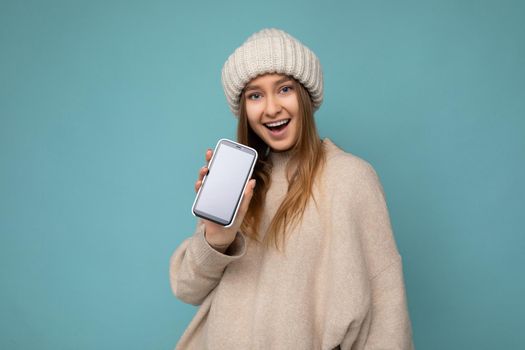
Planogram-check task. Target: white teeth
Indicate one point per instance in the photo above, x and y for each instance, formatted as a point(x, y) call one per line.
point(280, 122)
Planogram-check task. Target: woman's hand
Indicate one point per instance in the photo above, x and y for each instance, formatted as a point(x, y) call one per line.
point(220, 237)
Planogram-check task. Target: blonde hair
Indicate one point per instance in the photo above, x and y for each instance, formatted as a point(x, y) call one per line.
point(307, 153)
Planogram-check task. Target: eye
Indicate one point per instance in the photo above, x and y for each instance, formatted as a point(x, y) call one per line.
point(286, 89)
point(254, 96)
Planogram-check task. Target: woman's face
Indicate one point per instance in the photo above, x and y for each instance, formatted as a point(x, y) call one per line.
point(272, 108)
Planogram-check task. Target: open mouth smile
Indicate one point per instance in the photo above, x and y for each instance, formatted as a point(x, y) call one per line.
point(278, 125)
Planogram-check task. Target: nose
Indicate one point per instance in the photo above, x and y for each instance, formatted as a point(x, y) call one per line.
point(273, 107)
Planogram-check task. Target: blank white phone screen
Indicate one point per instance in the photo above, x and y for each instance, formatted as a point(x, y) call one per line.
point(225, 182)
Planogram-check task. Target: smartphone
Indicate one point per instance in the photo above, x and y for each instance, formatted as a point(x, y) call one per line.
point(229, 171)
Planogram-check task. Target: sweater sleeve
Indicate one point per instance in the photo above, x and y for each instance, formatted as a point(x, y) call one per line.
point(390, 326)
point(388, 322)
point(196, 268)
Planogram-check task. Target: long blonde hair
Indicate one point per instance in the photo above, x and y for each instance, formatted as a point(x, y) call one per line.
point(309, 156)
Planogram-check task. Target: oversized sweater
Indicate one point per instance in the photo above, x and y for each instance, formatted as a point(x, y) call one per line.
point(339, 281)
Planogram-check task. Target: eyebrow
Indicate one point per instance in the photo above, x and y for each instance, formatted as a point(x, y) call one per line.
point(255, 87)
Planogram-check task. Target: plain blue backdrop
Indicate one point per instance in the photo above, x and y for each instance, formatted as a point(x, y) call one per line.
point(107, 108)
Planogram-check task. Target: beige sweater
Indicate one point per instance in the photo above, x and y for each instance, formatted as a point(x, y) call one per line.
point(339, 282)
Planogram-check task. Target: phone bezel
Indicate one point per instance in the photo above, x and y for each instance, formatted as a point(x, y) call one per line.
point(212, 218)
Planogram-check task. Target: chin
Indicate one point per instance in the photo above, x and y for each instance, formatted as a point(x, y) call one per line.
point(280, 146)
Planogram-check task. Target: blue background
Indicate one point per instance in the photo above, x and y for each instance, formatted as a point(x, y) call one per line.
point(107, 108)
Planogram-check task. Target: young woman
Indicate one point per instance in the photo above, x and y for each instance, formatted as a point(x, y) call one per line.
point(311, 261)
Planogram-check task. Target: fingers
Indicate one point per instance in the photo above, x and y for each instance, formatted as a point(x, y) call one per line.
point(204, 170)
point(248, 194)
point(198, 183)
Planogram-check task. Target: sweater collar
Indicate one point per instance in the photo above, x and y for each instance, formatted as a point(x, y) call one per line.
point(280, 159)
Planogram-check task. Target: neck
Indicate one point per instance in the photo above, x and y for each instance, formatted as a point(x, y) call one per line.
point(280, 161)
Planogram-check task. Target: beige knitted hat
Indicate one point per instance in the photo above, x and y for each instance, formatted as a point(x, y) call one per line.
point(271, 51)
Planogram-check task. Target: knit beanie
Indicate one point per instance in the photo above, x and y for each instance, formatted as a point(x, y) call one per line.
point(271, 51)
